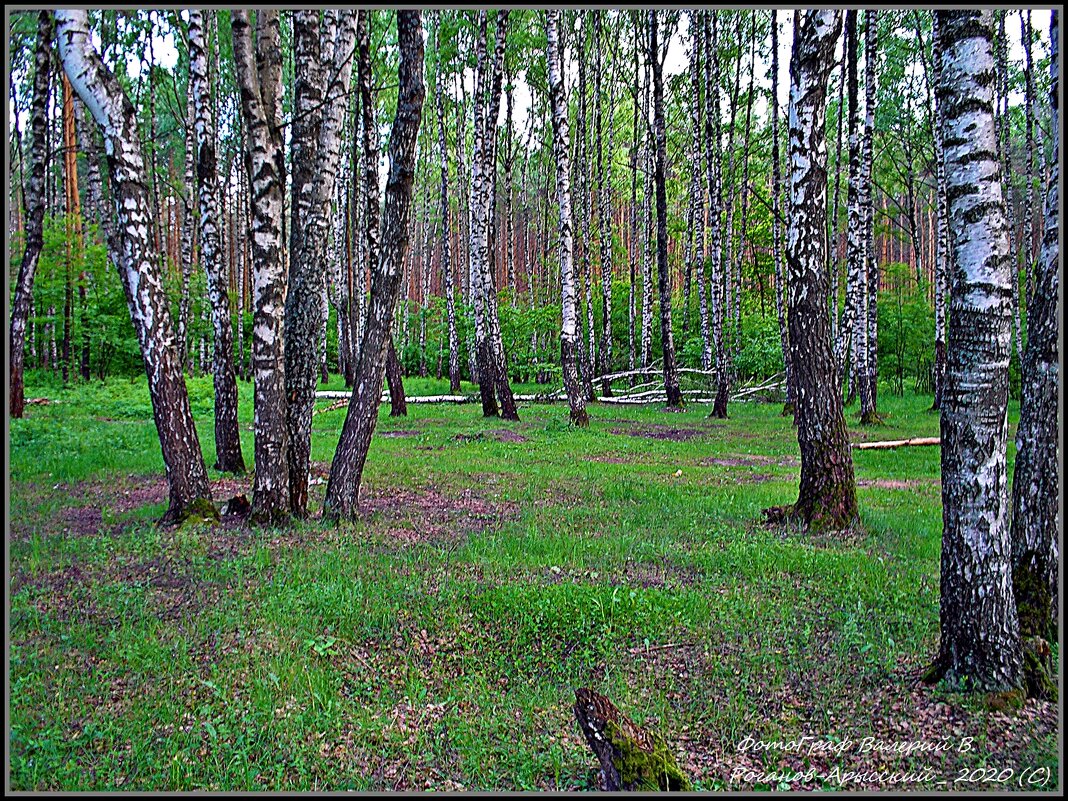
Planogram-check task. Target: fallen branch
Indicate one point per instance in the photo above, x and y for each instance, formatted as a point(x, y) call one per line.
point(896, 443)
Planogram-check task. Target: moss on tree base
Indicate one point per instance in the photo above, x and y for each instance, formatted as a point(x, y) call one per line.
point(199, 510)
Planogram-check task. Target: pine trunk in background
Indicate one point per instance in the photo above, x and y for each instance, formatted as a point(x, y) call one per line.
point(259, 75)
point(343, 488)
point(980, 643)
point(317, 159)
point(190, 491)
point(604, 212)
point(228, 456)
point(1035, 482)
point(671, 373)
point(35, 209)
point(568, 329)
point(827, 496)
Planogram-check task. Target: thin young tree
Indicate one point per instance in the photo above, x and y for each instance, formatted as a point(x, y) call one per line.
point(1035, 482)
point(35, 209)
point(343, 487)
point(259, 75)
point(827, 495)
point(980, 642)
point(568, 329)
point(187, 476)
point(789, 404)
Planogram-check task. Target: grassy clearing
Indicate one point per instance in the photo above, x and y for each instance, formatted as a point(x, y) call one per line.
point(437, 642)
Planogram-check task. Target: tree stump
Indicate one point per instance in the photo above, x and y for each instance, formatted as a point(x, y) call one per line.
point(631, 758)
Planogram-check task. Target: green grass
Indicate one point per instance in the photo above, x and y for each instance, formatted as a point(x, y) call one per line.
point(437, 643)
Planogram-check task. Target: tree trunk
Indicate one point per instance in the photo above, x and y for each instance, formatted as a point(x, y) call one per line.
point(827, 496)
point(316, 156)
point(789, 407)
point(35, 208)
point(1035, 481)
point(190, 491)
point(446, 253)
point(715, 247)
point(980, 631)
point(604, 212)
point(395, 381)
point(259, 78)
point(855, 322)
point(671, 374)
point(342, 491)
point(572, 385)
point(227, 435)
point(871, 358)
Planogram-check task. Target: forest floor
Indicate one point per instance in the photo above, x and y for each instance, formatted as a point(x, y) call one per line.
point(437, 643)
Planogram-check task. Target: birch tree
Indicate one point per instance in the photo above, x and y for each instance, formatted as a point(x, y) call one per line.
point(671, 374)
point(980, 642)
point(568, 328)
point(227, 437)
point(346, 471)
point(187, 477)
point(35, 209)
point(1035, 483)
point(317, 159)
point(259, 75)
point(827, 496)
point(789, 405)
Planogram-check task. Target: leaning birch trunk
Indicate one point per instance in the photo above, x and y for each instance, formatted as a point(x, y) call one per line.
point(227, 436)
point(568, 328)
point(827, 495)
point(319, 161)
point(35, 209)
point(343, 487)
point(190, 490)
point(1036, 477)
point(259, 75)
point(789, 405)
point(189, 202)
point(980, 642)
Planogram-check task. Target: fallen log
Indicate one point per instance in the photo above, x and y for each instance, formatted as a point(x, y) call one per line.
point(631, 758)
point(896, 443)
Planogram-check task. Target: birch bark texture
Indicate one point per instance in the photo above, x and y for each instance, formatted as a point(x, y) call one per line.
point(259, 76)
point(343, 487)
point(569, 321)
point(35, 209)
point(827, 495)
point(318, 159)
point(228, 456)
point(980, 643)
point(1035, 483)
point(187, 476)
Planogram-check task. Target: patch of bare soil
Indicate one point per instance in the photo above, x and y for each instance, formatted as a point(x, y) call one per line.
point(748, 460)
point(413, 515)
point(644, 575)
point(653, 431)
point(505, 435)
point(399, 433)
point(608, 458)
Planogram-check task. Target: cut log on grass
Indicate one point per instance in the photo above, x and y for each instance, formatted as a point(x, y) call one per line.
point(895, 443)
point(631, 758)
